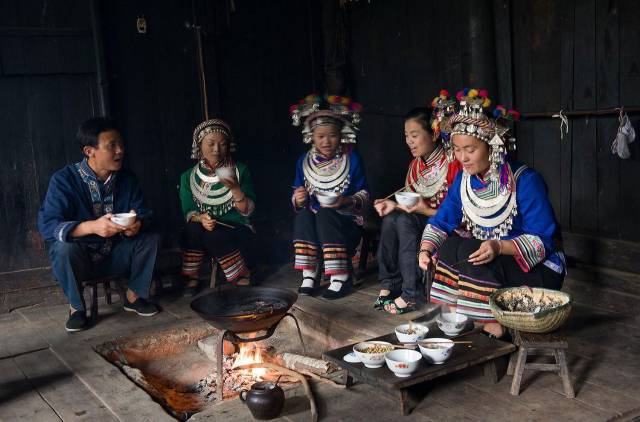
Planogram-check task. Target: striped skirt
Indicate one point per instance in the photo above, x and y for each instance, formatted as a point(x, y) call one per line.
point(468, 286)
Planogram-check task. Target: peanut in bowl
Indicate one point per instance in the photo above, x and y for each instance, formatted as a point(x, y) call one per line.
point(372, 353)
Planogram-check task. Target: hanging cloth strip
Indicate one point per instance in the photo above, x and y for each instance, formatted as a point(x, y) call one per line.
point(626, 134)
point(102, 203)
point(564, 123)
point(326, 175)
point(209, 194)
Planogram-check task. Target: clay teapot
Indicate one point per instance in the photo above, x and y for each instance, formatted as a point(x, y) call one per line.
point(264, 400)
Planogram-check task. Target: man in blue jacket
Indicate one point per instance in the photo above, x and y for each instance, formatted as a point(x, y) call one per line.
point(76, 222)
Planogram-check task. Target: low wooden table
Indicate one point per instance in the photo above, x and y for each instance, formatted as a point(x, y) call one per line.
point(484, 350)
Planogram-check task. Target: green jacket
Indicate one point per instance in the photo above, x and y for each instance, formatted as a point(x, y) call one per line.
point(232, 216)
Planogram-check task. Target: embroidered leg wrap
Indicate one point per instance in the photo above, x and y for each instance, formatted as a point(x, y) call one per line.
point(335, 259)
point(306, 255)
point(233, 266)
point(191, 263)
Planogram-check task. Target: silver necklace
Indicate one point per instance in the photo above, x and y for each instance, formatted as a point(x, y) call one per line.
point(331, 176)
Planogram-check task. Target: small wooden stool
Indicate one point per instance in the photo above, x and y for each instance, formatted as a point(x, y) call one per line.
point(539, 344)
point(93, 284)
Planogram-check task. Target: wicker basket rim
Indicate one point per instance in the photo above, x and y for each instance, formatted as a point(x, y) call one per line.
point(536, 315)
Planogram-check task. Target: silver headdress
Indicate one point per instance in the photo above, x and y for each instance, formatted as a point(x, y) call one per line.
point(339, 111)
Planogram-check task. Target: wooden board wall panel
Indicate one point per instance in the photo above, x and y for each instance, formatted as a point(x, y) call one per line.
point(584, 177)
point(608, 96)
point(567, 48)
point(629, 88)
point(45, 55)
point(45, 13)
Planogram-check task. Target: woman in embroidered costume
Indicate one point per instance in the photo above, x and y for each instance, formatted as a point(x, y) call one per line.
point(330, 166)
point(216, 189)
point(430, 174)
point(504, 205)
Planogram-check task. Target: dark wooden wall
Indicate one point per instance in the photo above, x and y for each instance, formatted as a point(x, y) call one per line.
point(260, 57)
point(537, 56)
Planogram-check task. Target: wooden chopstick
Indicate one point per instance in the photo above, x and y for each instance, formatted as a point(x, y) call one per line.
point(224, 225)
point(393, 193)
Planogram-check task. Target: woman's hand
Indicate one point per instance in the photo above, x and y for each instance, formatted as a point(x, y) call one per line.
point(341, 202)
point(426, 259)
point(487, 252)
point(384, 206)
point(231, 183)
point(207, 222)
point(301, 196)
point(420, 207)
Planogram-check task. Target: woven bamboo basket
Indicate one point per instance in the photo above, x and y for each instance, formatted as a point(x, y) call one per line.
point(532, 322)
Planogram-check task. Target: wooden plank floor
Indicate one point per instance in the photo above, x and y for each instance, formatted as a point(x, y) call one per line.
point(47, 374)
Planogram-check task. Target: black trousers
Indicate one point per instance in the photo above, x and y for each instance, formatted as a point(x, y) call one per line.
point(224, 244)
point(335, 234)
point(397, 263)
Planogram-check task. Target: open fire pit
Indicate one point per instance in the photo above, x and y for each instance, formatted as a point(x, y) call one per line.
point(244, 310)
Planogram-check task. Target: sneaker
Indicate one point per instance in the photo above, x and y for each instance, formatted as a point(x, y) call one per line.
point(77, 321)
point(140, 306)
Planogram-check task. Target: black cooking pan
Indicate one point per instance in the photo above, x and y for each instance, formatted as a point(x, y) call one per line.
point(245, 309)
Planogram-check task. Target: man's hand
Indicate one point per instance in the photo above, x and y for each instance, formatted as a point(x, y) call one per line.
point(133, 229)
point(207, 222)
point(301, 196)
point(384, 206)
point(104, 227)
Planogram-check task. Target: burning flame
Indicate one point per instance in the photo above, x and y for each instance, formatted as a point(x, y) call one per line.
point(250, 353)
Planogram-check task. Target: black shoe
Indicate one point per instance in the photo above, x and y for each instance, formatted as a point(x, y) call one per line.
point(381, 300)
point(77, 322)
point(337, 294)
point(307, 291)
point(140, 306)
point(191, 289)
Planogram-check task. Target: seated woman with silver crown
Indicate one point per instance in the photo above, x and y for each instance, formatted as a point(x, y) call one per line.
point(504, 205)
point(217, 199)
point(330, 191)
point(430, 174)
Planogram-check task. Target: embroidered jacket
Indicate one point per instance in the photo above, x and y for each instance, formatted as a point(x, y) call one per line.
point(352, 183)
point(421, 172)
point(70, 201)
point(534, 228)
point(191, 204)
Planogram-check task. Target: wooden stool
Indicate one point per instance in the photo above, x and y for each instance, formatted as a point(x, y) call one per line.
point(539, 344)
point(93, 284)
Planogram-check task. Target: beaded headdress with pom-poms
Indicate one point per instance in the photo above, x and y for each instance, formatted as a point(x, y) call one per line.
point(443, 108)
point(340, 111)
point(471, 120)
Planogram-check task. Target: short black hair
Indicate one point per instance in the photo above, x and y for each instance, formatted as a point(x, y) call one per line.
point(421, 115)
point(90, 130)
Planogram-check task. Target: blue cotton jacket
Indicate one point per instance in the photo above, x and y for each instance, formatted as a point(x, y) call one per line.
point(68, 202)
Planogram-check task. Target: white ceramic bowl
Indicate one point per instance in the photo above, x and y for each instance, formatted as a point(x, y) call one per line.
point(124, 219)
point(407, 199)
point(451, 323)
point(438, 353)
point(371, 360)
point(327, 198)
point(420, 332)
point(226, 172)
point(403, 362)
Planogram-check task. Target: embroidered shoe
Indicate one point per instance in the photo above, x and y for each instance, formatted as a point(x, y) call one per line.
point(140, 306)
point(77, 321)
